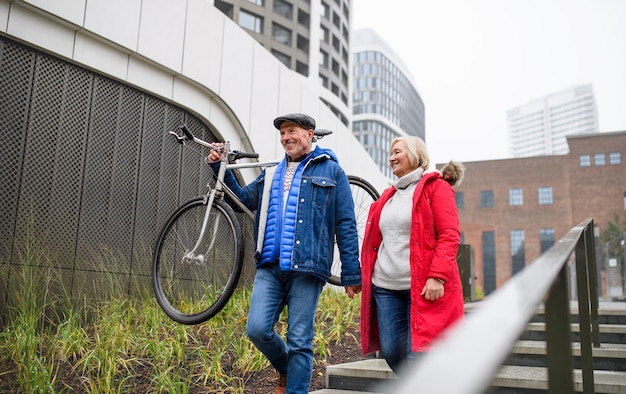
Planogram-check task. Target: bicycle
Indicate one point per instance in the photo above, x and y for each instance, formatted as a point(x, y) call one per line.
point(198, 256)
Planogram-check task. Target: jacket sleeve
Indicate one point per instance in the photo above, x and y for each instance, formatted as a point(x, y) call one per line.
point(249, 195)
point(447, 229)
point(346, 232)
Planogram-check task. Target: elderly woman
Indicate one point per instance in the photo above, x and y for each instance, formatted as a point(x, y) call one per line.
point(411, 284)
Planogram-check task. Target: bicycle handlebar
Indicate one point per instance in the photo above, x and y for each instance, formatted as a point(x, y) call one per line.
point(243, 155)
point(185, 130)
point(232, 155)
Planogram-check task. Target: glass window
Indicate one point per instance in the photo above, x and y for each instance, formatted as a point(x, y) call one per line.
point(283, 8)
point(547, 238)
point(517, 250)
point(257, 2)
point(325, 10)
point(486, 198)
point(516, 197)
point(284, 59)
point(323, 58)
point(545, 195)
point(489, 261)
point(615, 158)
point(585, 160)
point(600, 159)
point(323, 34)
point(250, 21)
point(281, 34)
point(460, 200)
point(323, 81)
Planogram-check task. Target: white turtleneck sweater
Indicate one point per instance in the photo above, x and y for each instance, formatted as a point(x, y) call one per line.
point(392, 270)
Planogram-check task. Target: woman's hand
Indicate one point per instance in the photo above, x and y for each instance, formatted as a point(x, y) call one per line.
point(433, 289)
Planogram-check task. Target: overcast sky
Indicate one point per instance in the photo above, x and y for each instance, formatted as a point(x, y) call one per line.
point(473, 60)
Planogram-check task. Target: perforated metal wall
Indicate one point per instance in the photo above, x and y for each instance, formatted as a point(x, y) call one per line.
point(88, 170)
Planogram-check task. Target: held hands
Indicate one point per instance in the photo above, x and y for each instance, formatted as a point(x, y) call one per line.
point(351, 291)
point(216, 155)
point(433, 289)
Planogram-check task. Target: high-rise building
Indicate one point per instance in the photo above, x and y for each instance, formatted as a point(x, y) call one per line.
point(539, 128)
point(385, 100)
point(311, 37)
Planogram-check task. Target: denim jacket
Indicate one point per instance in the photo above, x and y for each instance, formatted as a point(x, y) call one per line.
point(324, 211)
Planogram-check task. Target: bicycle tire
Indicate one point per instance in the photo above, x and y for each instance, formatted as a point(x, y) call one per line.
point(192, 292)
point(363, 195)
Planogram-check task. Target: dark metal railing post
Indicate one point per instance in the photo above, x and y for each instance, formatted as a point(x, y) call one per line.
point(559, 356)
point(592, 269)
point(475, 349)
point(583, 279)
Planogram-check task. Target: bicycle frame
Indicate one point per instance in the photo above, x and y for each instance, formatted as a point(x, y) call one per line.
point(219, 188)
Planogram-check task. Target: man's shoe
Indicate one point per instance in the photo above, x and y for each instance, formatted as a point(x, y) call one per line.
point(281, 387)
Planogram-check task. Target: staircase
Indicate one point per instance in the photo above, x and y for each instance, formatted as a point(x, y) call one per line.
point(524, 369)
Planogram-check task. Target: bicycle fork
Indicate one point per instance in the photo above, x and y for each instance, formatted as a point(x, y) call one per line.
point(199, 258)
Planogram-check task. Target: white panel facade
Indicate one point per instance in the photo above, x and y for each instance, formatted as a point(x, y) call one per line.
point(100, 56)
point(115, 20)
point(203, 44)
point(187, 94)
point(206, 63)
point(162, 32)
point(72, 11)
point(237, 65)
point(290, 91)
point(149, 76)
point(43, 32)
point(265, 78)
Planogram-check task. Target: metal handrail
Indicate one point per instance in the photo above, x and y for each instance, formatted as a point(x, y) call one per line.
point(467, 356)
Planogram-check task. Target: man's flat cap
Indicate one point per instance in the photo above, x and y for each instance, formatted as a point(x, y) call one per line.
point(300, 119)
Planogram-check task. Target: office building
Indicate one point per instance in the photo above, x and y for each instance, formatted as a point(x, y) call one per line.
point(311, 37)
point(540, 127)
point(385, 100)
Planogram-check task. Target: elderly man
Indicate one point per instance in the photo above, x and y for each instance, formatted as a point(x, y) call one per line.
point(301, 205)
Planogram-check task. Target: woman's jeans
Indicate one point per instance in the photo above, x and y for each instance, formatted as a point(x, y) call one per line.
point(393, 315)
point(273, 290)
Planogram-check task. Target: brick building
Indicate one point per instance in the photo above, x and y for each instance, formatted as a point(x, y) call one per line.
point(514, 209)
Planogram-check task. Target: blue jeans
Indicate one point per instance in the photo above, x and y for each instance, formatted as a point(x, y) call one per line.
point(274, 289)
point(393, 315)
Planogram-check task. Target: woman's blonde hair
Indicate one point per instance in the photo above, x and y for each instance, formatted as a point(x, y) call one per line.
point(417, 152)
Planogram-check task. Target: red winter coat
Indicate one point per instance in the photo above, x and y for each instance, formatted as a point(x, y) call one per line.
point(435, 238)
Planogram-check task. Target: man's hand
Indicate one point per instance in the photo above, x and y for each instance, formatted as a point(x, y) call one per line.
point(351, 291)
point(216, 155)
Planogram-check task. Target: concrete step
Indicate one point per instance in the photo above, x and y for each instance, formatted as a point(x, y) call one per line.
point(609, 312)
point(534, 379)
point(609, 356)
point(374, 376)
point(523, 372)
point(609, 333)
point(363, 375)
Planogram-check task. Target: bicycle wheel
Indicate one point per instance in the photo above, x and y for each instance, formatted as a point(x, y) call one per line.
point(193, 288)
point(363, 195)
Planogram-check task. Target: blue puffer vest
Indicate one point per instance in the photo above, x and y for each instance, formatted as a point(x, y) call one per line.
point(315, 213)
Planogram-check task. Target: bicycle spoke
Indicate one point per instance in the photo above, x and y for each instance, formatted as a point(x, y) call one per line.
point(193, 287)
point(363, 195)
